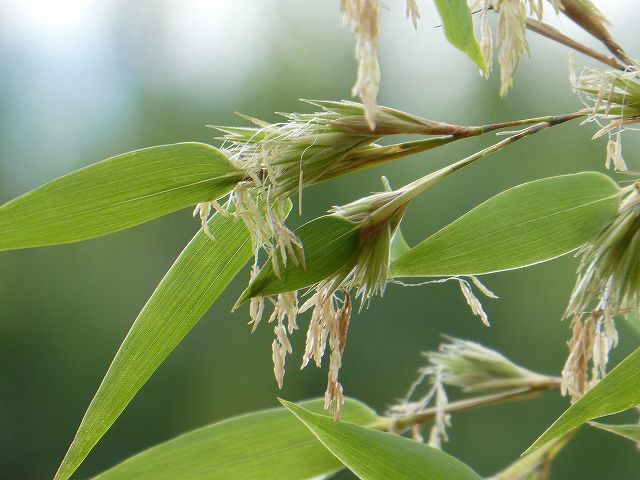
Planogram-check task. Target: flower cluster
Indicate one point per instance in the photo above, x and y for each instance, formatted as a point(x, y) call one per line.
point(469, 366)
point(614, 103)
point(361, 16)
point(512, 42)
point(280, 159)
point(330, 299)
point(608, 285)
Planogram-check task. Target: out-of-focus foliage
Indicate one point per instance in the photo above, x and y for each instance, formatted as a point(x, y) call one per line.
point(84, 82)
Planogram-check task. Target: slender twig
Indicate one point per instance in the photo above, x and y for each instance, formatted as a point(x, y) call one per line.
point(595, 26)
point(413, 189)
point(397, 424)
point(550, 119)
point(368, 157)
point(556, 35)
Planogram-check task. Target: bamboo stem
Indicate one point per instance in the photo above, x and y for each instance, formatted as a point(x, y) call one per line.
point(396, 424)
point(556, 35)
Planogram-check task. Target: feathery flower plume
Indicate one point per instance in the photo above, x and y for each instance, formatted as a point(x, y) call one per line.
point(486, 38)
point(609, 272)
point(614, 97)
point(371, 223)
point(512, 42)
point(412, 12)
point(375, 218)
point(361, 16)
point(280, 159)
point(608, 284)
point(512, 17)
point(591, 341)
point(469, 366)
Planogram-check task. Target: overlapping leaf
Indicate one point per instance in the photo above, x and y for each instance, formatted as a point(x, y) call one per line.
point(376, 455)
point(329, 243)
point(458, 28)
point(266, 445)
point(117, 193)
point(619, 390)
point(629, 431)
point(534, 466)
point(524, 225)
point(192, 284)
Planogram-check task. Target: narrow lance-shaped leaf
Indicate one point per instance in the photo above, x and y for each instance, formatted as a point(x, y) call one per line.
point(458, 27)
point(619, 390)
point(629, 431)
point(527, 224)
point(534, 466)
point(376, 455)
point(266, 445)
point(117, 193)
point(192, 284)
point(398, 244)
point(329, 243)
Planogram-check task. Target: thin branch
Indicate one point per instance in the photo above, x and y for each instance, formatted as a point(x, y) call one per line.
point(397, 424)
point(365, 158)
point(594, 24)
point(413, 189)
point(556, 35)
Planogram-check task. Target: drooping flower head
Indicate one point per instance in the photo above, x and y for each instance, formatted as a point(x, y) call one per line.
point(613, 100)
point(608, 285)
point(362, 18)
point(466, 365)
point(281, 159)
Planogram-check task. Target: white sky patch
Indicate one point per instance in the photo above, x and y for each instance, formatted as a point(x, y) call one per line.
point(207, 42)
point(56, 21)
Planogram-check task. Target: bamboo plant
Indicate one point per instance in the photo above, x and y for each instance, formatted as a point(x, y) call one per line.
point(333, 266)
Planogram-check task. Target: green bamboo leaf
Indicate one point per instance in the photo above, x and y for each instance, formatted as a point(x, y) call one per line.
point(266, 445)
point(458, 28)
point(619, 390)
point(629, 431)
point(534, 466)
point(398, 245)
point(375, 455)
point(117, 193)
point(633, 320)
point(192, 284)
point(527, 224)
point(329, 243)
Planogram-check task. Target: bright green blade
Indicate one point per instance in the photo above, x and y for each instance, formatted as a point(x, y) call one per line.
point(630, 431)
point(117, 193)
point(375, 455)
point(527, 224)
point(398, 245)
point(329, 243)
point(619, 390)
point(458, 28)
point(192, 284)
point(265, 445)
point(534, 466)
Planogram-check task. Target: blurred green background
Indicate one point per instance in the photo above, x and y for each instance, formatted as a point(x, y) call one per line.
point(84, 80)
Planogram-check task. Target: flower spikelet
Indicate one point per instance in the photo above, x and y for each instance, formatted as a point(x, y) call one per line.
point(512, 18)
point(608, 284)
point(609, 271)
point(412, 12)
point(613, 100)
point(469, 366)
point(362, 18)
